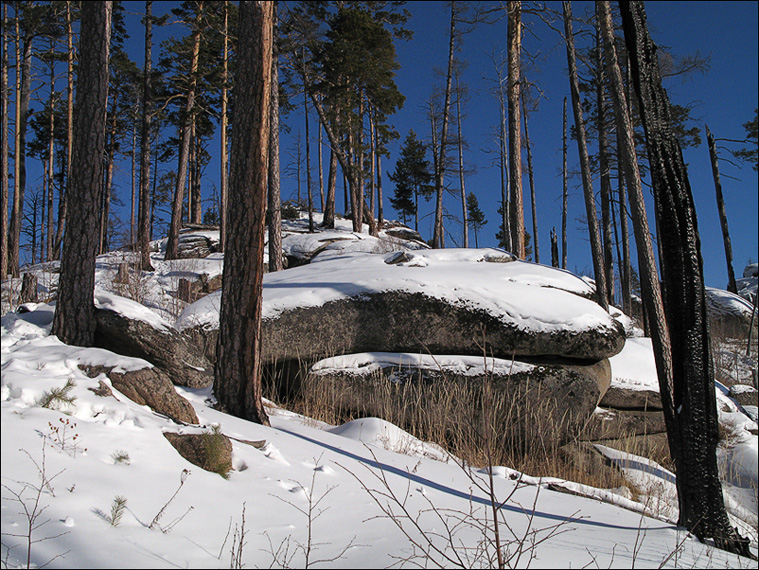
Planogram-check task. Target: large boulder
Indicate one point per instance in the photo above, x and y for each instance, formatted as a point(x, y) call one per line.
point(729, 314)
point(164, 347)
point(441, 302)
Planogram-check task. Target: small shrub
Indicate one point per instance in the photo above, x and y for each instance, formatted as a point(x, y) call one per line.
point(64, 437)
point(289, 211)
point(121, 456)
point(218, 461)
point(117, 510)
point(58, 397)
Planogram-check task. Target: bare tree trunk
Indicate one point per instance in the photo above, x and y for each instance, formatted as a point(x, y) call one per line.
point(504, 167)
point(464, 216)
point(144, 217)
point(50, 168)
point(321, 167)
point(133, 187)
point(554, 249)
point(625, 272)
point(513, 93)
point(731, 286)
point(329, 205)
point(380, 209)
point(438, 239)
point(535, 243)
point(172, 242)
point(582, 147)
point(309, 184)
point(74, 320)
point(605, 174)
point(238, 366)
point(196, 212)
point(691, 414)
point(63, 193)
point(274, 210)
point(224, 176)
point(4, 174)
point(108, 182)
point(372, 162)
point(565, 188)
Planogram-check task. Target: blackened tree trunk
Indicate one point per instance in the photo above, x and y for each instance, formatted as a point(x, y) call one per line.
point(554, 249)
point(274, 211)
point(624, 261)
point(582, 148)
point(531, 176)
point(691, 417)
point(238, 367)
point(513, 93)
point(74, 320)
point(565, 188)
point(144, 217)
point(605, 171)
point(309, 182)
point(329, 203)
point(721, 209)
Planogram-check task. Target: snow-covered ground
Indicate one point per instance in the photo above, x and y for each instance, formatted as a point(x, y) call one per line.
point(361, 495)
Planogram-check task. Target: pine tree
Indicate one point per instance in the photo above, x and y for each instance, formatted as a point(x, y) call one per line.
point(412, 178)
point(476, 216)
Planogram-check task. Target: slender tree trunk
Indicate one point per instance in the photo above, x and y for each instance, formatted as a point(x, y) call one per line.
point(625, 272)
point(504, 166)
point(380, 209)
point(63, 193)
point(372, 159)
point(145, 218)
point(464, 217)
point(554, 249)
point(74, 320)
point(691, 413)
point(438, 239)
point(50, 168)
point(224, 176)
point(565, 188)
point(238, 366)
point(196, 213)
point(133, 186)
point(172, 243)
point(274, 211)
point(605, 174)
point(731, 286)
point(309, 183)
point(108, 182)
point(4, 174)
point(582, 147)
point(321, 166)
point(513, 93)
point(329, 205)
point(535, 241)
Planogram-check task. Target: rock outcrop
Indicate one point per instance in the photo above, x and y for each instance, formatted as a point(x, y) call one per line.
point(165, 348)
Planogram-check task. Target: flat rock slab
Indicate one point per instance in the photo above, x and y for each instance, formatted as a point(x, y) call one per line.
point(623, 398)
point(436, 301)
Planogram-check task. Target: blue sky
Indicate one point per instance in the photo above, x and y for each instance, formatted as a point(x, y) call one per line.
point(724, 98)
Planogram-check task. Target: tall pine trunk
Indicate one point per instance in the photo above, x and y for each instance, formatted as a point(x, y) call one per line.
point(172, 243)
point(531, 175)
point(74, 320)
point(4, 174)
point(144, 217)
point(224, 174)
point(238, 366)
point(274, 210)
point(582, 148)
point(464, 216)
point(513, 92)
point(605, 173)
point(565, 187)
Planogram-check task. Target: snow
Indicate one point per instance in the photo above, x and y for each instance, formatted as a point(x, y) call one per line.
point(532, 297)
point(355, 479)
point(634, 367)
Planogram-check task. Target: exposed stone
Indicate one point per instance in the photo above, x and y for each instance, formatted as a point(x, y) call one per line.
point(621, 398)
point(152, 387)
point(745, 395)
point(166, 349)
point(547, 403)
point(395, 321)
point(194, 245)
point(615, 424)
point(729, 314)
point(209, 451)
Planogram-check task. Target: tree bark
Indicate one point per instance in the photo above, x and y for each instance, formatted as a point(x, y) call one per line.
point(238, 366)
point(329, 204)
point(309, 182)
point(731, 286)
point(464, 217)
point(74, 320)
point(274, 210)
point(513, 92)
point(691, 416)
point(223, 176)
point(582, 148)
point(144, 217)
